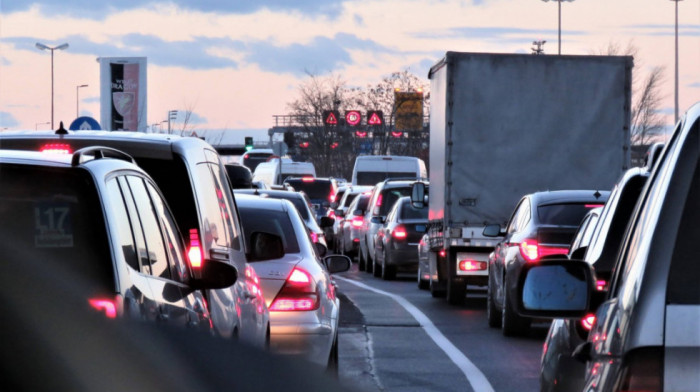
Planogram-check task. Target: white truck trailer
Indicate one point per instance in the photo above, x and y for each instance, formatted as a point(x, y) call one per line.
point(505, 125)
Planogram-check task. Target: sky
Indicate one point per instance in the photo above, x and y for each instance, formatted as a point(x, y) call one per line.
point(234, 64)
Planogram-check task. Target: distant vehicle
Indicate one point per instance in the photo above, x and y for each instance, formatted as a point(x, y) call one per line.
point(321, 191)
point(384, 195)
point(297, 283)
point(195, 185)
point(350, 231)
point(484, 157)
point(274, 172)
point(95, 214)
point(542, 224)
point(303, 204)
point(251, 159)
point(645, 333)
point(340, 206)
point(372, 169)
point(597, 242)
point(424, 262)
point(396, 245)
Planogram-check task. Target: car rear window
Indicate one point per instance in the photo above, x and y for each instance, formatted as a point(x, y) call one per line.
point(389, 197)
point(408, 212)
point(569, 214)
point(269, 221)
point(372, 178)
point(253, 160)
point(316, 189)
point(54, 215)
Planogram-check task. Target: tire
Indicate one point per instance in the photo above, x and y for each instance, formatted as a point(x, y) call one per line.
point(492, 313)
point(369, 264)
point(361, 264)
point(376, 269)
point(422, 284)
point(434, 291)
point(511, 323)
point(332, 367)
point(388, 271)
point(456, 292)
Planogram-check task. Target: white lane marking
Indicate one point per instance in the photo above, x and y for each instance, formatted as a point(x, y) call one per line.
point(475, 377)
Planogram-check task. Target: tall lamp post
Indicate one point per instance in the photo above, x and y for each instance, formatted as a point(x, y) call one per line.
point(44, 47)
point(559, 1)
point(676, 77)
point(77, 99)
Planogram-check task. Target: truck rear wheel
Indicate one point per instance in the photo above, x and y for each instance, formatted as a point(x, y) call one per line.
point(435, 290)
point(456, 292)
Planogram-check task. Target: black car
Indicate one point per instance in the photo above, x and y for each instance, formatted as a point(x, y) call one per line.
point(543, 224)
point(321, 191)
point(105, 220)
point(396, 245)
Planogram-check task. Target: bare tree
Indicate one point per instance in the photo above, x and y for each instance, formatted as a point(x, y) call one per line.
point(647, 121)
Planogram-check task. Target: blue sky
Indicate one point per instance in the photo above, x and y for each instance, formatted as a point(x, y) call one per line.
point(235, 64)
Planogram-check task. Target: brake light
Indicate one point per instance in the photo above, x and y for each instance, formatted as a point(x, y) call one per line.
point(194, 253)
point(532, 251)
point(601, 285)
point(588, 321)
point(357, 221)
point(307, 179)
point(56, 148)
point(331, 197)
point(299, 293)
point(442, 253)
point(379, 201)
point(399, 232)
point(472, 265)
point(642, 370)
point(108, 306)
point(331, 214)
point(314, 237)
point(594, 205)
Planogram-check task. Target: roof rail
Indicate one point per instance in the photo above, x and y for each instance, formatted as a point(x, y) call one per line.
point(100, 152)
point(405, 179)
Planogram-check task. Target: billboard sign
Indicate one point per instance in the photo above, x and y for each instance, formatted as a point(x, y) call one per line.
point(409, 111)
point(123, 93)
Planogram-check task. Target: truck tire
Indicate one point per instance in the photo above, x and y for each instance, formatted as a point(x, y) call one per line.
point(492, 313)
point(435, 292)
point(456, 292)
point(511, 323)
point(422, 283)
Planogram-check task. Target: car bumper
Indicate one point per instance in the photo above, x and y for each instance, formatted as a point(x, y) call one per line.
point(310, 340)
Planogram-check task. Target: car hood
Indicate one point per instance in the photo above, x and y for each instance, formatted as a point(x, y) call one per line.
point(274, 273)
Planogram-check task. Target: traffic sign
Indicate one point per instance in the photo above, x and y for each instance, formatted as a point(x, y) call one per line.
point(330, 117)
point(84, 123)
point(353, 118)
point(375, 117)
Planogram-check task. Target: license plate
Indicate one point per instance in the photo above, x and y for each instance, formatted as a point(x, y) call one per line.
point(420, 228)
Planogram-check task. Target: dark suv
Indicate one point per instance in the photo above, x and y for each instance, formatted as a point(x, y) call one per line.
point(106, 221)
point(193, 181)
point(321, 191)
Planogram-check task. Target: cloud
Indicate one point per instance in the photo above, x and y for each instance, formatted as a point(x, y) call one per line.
point(100, 9)
point(197, 119)
point(684, 30)
point(694, 85)
point(7, 120)
point(490, 33)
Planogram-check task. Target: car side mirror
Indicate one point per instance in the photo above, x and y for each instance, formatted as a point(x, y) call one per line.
point(213, 274)
point(326, 221)
point(492, 231)
point(555, 289)
point(337, 263)
point(377, 219)
point(418, 195)
point(265, 246)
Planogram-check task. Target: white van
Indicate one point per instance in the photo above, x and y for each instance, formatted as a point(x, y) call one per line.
point(371, 169)
point(274, 173)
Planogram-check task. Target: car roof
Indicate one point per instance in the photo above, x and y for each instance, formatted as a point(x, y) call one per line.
point(569, 196)
point(251, 201)
point(79, 158)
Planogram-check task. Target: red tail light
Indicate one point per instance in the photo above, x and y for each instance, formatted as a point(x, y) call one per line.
point(314, 238)
point(56, 148)
point(399, 232)
point(331, 197)
point(472, 265)
point(108, 306)
point(601, 285)
point(442, 253)
point(331, 214)
point(299, 293)
point(357, 221)
point(307, 179)
point(588, 321)
point(379, 201)
point(594, 205)
point(194, 253)
point(532, 251)
point(642, 370)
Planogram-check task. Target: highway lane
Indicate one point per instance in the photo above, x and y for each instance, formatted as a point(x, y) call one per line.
point(384, 347)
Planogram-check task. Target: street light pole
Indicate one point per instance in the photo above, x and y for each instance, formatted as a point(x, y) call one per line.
point(77, 99)
point(559, 5)
point(676, 76)
point(41, 46)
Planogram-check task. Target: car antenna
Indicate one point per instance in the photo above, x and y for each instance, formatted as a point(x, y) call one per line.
point(61, 130)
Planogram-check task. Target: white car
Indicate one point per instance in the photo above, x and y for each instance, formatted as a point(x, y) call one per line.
point(296, 282)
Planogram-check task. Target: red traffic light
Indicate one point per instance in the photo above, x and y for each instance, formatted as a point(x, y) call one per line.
point(334, 145)
point(304, 144)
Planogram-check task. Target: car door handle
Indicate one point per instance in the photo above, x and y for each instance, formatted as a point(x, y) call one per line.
point(219, 254)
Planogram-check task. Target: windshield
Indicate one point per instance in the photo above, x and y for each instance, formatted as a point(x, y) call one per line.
point(269, 221)
point(372, 178)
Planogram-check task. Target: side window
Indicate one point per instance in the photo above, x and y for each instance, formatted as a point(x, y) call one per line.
point(157, 255)
point(216, 214)
point(175, 248)
point(139, 240)
point(125, 235)
point(520, 217)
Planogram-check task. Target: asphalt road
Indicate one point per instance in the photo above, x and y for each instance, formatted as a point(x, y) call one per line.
point(395, 337)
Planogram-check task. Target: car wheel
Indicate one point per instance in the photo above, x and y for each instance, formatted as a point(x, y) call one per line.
point(492, 313)
point(511, 323)
point(422, 283)
point(332, 368)
point(388, 271)
point(376, 269)
point(361, 264)
point(369, 264)
point(456, 292)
